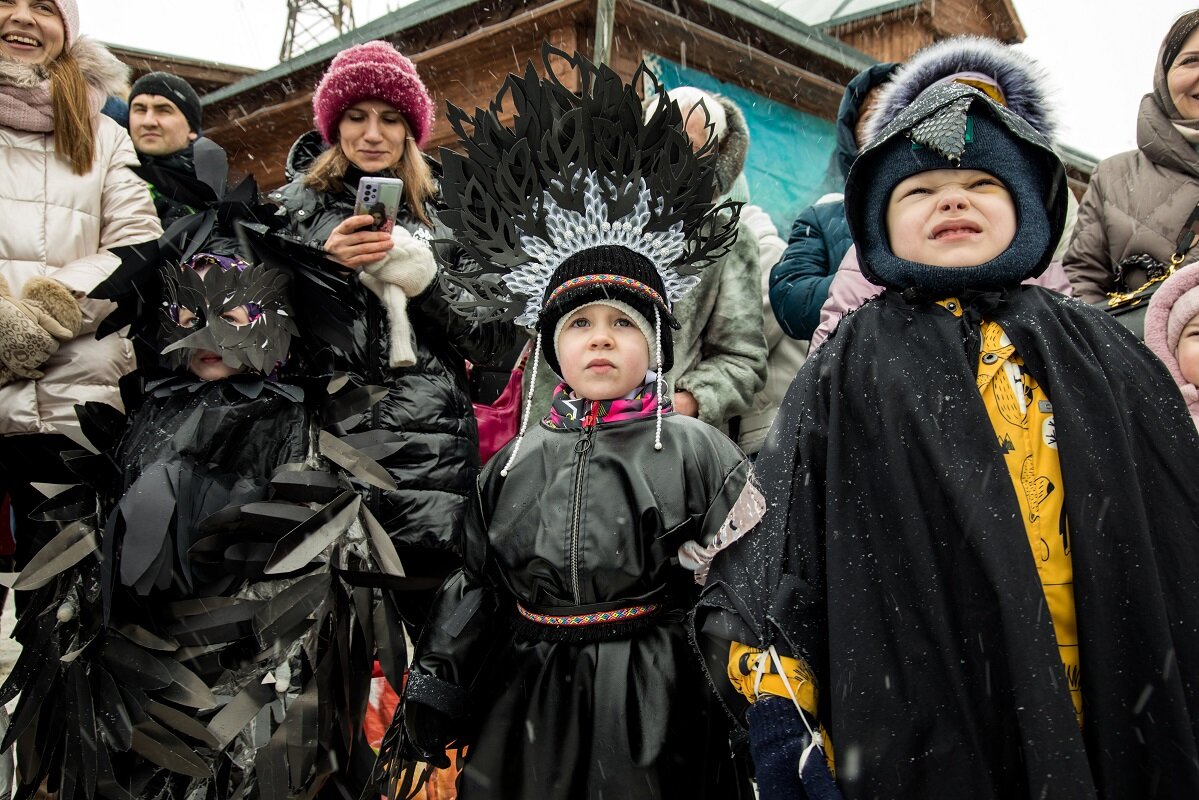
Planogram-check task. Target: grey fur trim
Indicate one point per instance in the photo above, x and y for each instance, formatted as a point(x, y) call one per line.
point(1022, 79)
point(100, 68)
point(734, 147)
point(20, 75)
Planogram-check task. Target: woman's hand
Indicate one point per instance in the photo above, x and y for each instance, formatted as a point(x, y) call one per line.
point(354, 248)
point(684, 403)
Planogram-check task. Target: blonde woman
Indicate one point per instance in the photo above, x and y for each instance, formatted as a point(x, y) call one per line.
point(67, 196)
point(386, 321)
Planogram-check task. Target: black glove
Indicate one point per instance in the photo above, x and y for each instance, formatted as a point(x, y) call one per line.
point(426, 734)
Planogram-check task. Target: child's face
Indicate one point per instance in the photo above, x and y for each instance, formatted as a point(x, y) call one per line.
point(205, 364)
point(602, 352)
point(1188, 352)
point(950, 218)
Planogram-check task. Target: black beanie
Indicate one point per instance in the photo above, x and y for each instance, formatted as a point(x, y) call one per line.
point(606, 272)
point(996, 142)
point(175, 89)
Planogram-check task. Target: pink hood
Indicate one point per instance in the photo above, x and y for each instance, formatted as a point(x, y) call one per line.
point(1157, 324)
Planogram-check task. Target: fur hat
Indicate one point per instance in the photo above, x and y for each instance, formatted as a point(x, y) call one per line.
point(372, 71)
point(175, 89)
point(1018, 77)
point(955, 126)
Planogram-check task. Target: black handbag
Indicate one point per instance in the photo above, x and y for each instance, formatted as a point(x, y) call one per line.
point(1129, 307)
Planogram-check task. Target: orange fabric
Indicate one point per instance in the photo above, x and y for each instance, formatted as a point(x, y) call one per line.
point(380, 710)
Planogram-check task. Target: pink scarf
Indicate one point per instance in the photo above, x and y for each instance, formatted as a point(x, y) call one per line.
point(25, 102)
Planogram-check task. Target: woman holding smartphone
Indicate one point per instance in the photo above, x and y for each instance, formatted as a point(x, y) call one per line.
point(377, 313)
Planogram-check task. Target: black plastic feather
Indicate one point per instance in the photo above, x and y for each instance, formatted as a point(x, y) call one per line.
point(518, 194)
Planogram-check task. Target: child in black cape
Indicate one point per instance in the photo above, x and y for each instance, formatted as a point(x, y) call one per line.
point(558, 655)
point(205, 623)
point(977, 573)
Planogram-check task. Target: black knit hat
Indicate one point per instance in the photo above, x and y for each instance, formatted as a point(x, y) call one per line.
point(606, 273)
point(175, 89)
point(953, 126)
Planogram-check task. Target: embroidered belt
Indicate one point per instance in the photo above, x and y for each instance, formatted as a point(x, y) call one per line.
point(594, 618)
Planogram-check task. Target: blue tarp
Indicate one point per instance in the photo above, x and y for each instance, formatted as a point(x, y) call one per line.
point(789, 150)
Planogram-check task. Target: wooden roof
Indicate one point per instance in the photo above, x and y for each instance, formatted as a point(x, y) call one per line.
point(465, 48)
point(204, 76)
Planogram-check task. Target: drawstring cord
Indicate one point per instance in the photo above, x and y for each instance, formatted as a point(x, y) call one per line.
point(524, 422)
point(661, 382)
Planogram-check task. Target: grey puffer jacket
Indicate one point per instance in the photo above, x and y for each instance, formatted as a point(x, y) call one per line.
point(423, 432)
point(1137, 203)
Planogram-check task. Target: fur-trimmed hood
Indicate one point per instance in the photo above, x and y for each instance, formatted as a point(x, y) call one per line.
point(734, 146)
point(102, 70)
point(1021, 79)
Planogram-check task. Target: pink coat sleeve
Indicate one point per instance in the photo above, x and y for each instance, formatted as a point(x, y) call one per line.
point(848, 290)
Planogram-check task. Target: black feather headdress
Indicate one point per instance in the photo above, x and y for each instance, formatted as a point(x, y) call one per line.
point(573, 172)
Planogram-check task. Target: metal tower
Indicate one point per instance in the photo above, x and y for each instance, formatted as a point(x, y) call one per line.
point(310, 22)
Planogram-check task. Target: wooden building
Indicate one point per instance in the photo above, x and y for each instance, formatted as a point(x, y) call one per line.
point(786, 74)
point(204, 76)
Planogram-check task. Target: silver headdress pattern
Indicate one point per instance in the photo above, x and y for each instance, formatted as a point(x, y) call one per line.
point(577, 169)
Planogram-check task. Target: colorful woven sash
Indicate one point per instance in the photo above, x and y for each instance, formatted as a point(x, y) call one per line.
point(595, 618)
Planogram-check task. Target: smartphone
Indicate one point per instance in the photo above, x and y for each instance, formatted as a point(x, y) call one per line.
point(381, 198)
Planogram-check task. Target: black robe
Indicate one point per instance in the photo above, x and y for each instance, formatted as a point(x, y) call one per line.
point(621, 711)
point(894, 560)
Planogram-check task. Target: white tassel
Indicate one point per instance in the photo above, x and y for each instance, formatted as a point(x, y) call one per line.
point(816, 745)
point(524, 422)
point(661, 382)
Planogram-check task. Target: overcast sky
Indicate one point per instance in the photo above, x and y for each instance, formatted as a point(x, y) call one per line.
point(1099, 53)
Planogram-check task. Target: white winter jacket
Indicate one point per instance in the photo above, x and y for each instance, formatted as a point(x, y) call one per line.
point(59, 224)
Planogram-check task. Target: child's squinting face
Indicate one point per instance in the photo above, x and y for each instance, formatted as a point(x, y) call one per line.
point(1188, 352)
point(205, 364)
point(603, 354)
point(950, 218)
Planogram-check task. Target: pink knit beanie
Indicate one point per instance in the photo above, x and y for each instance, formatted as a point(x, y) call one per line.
point(372, 71)
point(69, 10)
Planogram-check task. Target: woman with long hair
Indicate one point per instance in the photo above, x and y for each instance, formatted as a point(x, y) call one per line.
point(381, 316)
point(67, 196)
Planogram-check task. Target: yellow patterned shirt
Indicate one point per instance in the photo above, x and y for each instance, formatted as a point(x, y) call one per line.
point(1022, 416)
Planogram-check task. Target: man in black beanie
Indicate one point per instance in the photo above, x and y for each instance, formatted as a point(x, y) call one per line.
point(165, 118)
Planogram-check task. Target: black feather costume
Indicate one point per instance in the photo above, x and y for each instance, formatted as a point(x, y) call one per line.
point(206, 623)
point(558, 654)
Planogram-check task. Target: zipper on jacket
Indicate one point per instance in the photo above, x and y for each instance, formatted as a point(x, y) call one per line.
point(374, 493)
point(582, 448)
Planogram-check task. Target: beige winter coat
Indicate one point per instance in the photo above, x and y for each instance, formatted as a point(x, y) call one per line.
point(785, 355)
point(1137, 203)
point(60, 224)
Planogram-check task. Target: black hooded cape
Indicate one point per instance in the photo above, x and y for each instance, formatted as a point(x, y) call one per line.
point(894, 560)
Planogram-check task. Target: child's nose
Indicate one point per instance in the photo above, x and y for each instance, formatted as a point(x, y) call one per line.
point(954, 201)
